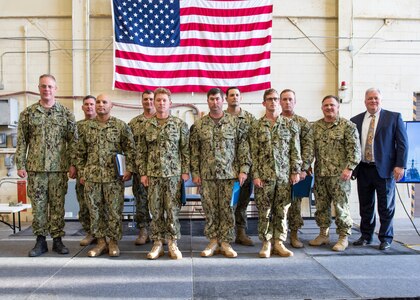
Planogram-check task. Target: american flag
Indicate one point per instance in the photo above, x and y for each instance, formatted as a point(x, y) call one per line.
point(192, 45)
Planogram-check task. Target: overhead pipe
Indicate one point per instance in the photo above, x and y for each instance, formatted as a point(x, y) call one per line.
point(194, 108)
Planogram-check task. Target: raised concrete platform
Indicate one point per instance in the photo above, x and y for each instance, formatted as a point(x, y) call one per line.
point(312, 273)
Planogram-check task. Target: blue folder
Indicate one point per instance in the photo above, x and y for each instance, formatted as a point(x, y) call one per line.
point(235, 193)
point(303, 188)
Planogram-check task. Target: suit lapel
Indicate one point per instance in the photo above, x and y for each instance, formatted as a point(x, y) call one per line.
point(382, 121)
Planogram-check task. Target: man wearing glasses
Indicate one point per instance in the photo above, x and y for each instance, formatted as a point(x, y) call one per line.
point(46, 132)
point(276, 163)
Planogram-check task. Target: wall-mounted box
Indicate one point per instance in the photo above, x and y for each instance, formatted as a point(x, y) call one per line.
point(9, 113)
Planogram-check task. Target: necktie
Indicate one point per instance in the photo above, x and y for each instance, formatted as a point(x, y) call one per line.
point(369, 140)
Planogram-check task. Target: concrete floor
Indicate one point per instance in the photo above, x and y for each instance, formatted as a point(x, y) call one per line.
point(312, 273)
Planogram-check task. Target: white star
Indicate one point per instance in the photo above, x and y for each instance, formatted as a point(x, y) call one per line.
point(141, 40)
point(120, 37)
point(119, 7)
point(152, 41)
point(131, 38)
point(124, 3)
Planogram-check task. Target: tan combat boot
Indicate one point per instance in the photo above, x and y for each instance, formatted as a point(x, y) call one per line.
point(143, 237)
point(266, 249)
point(114, 251)
point(342, 243)
point(242, 238)
point(211, 249)
point(227, 250)
point(87, 240)
point(99, 249)
point(174, 252)
point(294, 239)
point(322, 239)
point(157, 250)
point(281, 250)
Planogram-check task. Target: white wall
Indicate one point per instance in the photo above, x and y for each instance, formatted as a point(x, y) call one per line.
point(310, 54)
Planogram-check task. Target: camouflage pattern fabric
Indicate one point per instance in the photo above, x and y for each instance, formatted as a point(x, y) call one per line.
point(104, 190)
point(164, 196)
point(331, 189)
point(45, 137)
point(163, 155)
point(275, 149)
point(275, 155)
point(219, 151)
point(243, 201)
point(220, 216)
point(84, 215)
point(336, 147)
point(142, 217)
point(294, 215)
point(106, 202)
point(273, 201)
point(248, 120)
point(47, 191)
point(97, 148)
point(163, 150)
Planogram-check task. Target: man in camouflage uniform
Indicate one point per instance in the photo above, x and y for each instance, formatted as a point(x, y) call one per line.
point(294, 215)
point(46, 131)
point(142, 216)
point(337, 153)
point(163, 160)
point(88, 108)
point(233, 99)
point(276, 162)
point(219, 156)
point(103, 138)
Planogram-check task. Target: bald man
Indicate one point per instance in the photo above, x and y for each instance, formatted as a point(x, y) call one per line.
point(103, 138)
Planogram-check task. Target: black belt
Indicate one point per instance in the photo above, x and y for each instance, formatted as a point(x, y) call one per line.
point(368, 164)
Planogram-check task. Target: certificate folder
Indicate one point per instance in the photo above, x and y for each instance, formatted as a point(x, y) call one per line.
point(235, 193)
point(120, 166)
